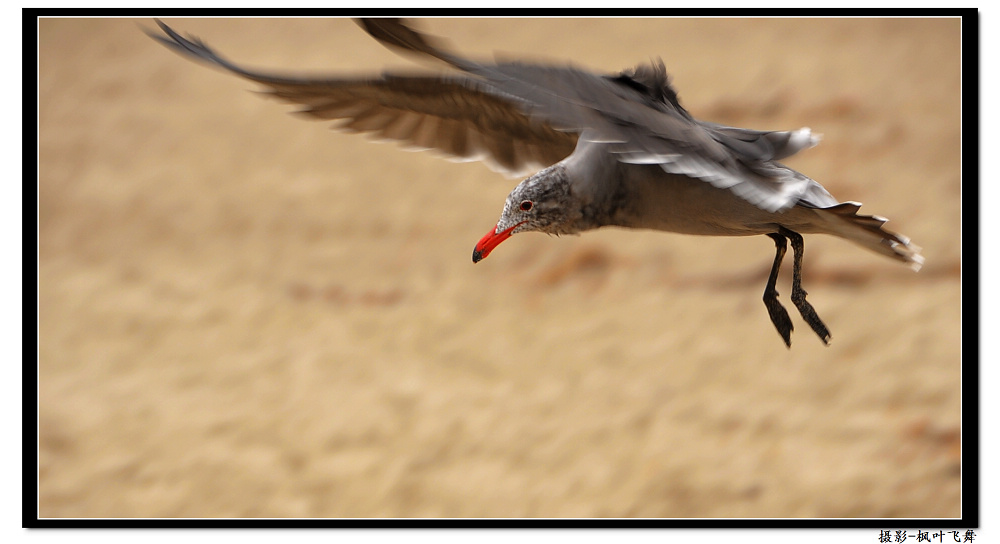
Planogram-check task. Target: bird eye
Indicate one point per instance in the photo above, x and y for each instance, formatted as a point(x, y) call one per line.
point(526, 205)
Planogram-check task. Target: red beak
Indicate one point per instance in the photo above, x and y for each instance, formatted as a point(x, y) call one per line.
point(490, 241)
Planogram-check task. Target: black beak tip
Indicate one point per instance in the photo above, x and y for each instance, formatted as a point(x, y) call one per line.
point(477, 255)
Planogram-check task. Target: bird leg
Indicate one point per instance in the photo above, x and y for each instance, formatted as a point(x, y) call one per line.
point(777, 312)
point(798, 293)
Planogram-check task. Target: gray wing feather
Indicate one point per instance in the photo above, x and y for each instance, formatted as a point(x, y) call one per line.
point(639, 115)
point(762, 145)
point(516, 115)
point(456, 115)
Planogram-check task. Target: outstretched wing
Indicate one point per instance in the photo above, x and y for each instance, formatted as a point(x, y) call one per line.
point(638, 115)
point(518, 115)
point(456, 115)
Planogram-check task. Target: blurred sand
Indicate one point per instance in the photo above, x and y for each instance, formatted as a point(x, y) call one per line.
point(246, 314)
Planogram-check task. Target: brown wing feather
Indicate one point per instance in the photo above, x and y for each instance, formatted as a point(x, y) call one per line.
point(452, 114)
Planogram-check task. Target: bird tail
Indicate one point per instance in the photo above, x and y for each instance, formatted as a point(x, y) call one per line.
point(868, 231)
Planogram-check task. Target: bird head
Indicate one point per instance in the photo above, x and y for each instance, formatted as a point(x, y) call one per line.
point(542, 203)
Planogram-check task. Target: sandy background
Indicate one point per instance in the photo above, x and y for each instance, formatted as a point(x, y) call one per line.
point(246, 314)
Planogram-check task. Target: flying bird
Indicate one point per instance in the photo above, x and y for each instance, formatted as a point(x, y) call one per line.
point(613, 150)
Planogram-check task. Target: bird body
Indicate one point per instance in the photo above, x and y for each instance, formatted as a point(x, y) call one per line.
point(615, 150)
point(591, 189)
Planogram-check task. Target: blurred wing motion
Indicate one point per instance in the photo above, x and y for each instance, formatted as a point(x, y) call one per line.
point(459, 116)
point(518, 117)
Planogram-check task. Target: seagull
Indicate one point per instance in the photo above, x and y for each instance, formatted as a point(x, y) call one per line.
point(607, 150)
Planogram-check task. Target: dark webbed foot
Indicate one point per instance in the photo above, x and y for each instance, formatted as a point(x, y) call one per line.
point(777, 312)
point(798, 293)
